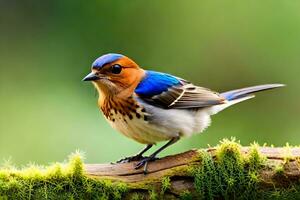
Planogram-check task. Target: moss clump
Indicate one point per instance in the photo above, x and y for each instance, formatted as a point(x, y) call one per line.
point(165, 184)
point(58, 181)
point(153, 195)
point(186, 195)
point(255, 160)
point(287, 153)
point(226, 173)
point(231, 175)
point(136, 196)
point(279, 169)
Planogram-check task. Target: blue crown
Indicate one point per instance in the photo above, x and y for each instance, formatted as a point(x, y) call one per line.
point(105, 59)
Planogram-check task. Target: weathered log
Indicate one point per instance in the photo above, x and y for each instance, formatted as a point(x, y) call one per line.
point(280, 169)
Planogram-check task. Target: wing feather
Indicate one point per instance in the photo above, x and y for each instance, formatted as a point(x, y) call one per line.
point(168, 91)
point(186, 96)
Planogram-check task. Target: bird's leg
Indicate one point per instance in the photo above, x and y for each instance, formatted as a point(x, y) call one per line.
point(152, 157)
point(136, 157)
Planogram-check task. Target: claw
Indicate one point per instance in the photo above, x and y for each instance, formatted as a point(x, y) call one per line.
point(129, 159)
point(141, 163)
point(144, 163)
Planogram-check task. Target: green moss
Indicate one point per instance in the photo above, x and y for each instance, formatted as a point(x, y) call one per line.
point(231, 175)
point(153, 195)
point(186, 195)
point(165, 184)
point(254, 158)
point(226, 174)
point(136, 196)
point(279, 169)
point(58, 181)
point(287, 153)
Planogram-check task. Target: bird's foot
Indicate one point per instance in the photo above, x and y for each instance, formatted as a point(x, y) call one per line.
point(131, 158)
point(144, 162)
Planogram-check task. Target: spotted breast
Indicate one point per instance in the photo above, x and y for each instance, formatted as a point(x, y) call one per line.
point(127, 116)
point(147, 124)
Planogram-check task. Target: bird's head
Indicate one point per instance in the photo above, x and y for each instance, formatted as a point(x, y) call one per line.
point(114, 74)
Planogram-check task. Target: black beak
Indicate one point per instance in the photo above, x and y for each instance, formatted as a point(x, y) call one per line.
point(91, 77)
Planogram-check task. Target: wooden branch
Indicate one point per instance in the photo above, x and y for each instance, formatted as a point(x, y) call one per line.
point(280, 169)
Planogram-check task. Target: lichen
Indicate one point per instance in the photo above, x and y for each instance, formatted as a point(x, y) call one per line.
point(58, 181)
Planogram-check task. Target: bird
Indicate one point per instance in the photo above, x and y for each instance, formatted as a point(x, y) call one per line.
point(150, 107)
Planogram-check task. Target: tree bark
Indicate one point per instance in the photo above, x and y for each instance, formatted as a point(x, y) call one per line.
point(281, 169)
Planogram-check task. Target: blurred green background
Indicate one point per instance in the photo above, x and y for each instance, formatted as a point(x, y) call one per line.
point(47, 47)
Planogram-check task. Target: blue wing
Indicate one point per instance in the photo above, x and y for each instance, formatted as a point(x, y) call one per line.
point(155, 83)
point(169, 91)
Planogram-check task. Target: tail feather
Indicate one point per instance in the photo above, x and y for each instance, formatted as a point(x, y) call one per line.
point(239, 95)
point(243, 92)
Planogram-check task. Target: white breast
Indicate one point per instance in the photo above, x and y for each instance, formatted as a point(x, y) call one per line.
point(160, 124)
point(179, 122)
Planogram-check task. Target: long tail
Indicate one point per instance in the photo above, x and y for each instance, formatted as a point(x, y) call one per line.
point(239, 95)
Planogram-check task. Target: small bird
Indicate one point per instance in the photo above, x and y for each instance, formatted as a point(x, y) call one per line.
point(149, 106)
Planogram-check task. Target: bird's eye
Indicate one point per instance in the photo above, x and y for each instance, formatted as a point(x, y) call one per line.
point(116, 69)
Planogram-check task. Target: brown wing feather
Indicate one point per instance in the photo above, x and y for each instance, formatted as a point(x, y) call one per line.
point(186, 95)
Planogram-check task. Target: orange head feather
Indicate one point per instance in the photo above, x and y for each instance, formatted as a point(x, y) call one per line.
point(115, 75)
